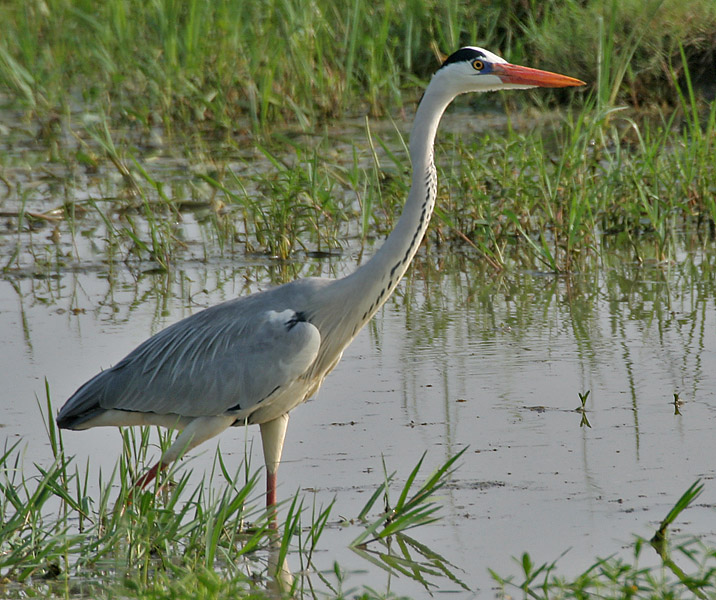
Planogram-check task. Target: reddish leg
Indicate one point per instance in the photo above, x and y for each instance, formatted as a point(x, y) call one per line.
point(149, 476)
point(271, 489)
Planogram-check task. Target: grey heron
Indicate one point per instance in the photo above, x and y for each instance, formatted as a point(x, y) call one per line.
point(253, 359)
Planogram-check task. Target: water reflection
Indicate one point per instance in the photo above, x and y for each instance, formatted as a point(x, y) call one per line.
point(623, 323)
point(460, 356)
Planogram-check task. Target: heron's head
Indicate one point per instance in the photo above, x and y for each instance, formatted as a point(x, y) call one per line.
point(472, 69)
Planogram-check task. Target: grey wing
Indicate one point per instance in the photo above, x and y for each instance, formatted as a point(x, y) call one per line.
point(222, 360)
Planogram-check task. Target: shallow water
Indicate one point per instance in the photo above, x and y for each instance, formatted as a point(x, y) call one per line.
point(456, 359)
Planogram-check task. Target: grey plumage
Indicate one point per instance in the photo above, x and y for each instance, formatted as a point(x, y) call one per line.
point(205, 365)
point(253, 359)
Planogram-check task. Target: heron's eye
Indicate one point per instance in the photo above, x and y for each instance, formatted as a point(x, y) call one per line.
point(478, 65)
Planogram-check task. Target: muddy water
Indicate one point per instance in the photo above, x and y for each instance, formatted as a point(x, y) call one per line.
point(457, 359)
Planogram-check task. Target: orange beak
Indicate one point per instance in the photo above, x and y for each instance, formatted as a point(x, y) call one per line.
point(525, 76)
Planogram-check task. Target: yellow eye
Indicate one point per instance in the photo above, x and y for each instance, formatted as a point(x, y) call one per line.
point(478, 65)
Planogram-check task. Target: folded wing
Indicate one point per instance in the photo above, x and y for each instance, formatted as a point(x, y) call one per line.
point(223, 360)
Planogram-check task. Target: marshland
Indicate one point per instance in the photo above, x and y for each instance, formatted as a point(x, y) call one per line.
point(531, 413)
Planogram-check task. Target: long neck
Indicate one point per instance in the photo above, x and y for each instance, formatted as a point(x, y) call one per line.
point(365, 290)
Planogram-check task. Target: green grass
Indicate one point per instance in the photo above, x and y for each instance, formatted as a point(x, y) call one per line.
point(623, 578)
point(632, 180)
point(207, 64)
point(61, 536)
point(163, 132)
point(59, 539)
point(555, 198)
point(142, 135)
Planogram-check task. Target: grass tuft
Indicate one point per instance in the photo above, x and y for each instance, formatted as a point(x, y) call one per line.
point(616, 577)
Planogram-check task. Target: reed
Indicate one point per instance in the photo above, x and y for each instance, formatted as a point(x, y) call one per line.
point(206, 64)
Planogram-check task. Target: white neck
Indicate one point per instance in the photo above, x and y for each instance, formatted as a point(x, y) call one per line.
point(367, 289)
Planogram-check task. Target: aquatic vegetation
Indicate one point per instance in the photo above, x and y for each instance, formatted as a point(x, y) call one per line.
point(134, 169)
point(582, 410)
point(60, 536)
point(143, 137)
point(182, 541)
point(616, 577)
point(557, 197)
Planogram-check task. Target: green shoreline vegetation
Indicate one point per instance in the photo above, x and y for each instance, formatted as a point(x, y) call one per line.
point(115, 87)
point(277, 129)
point(187, 63)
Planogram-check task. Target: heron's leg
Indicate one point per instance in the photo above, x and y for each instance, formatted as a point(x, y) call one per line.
point(149, 476)
point(273, 434)
point(197, 431)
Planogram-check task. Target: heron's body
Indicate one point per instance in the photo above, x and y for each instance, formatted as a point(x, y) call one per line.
point(253, 359)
